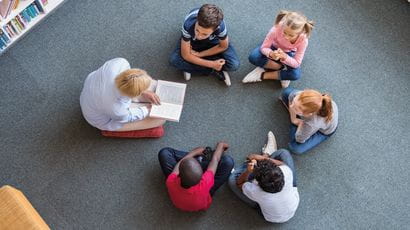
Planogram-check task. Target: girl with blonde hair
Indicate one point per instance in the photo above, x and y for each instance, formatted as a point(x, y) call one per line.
point(281, 53)
point(313, 116)
point(108, 94)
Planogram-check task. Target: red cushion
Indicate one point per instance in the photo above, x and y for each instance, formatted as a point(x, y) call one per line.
point(153, 133)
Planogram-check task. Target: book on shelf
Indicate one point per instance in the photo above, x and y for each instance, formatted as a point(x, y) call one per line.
point(172, 96)
point(17, 24)
point(6, 7)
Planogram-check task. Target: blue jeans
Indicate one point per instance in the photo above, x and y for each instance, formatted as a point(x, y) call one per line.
point(169, 157)
point(313, 141)
point(281, 154)
point(259, 59)
point(231, 59)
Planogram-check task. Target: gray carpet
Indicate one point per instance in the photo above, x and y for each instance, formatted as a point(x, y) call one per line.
point(76, 179)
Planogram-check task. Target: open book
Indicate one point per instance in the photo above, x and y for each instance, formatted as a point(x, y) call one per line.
point(172, 96)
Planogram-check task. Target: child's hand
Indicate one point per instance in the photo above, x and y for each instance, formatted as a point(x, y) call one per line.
point(274, 55)
point(251, 166)
point(218, 64)
point(254, 156)
point(223, 145)
point(281, 54)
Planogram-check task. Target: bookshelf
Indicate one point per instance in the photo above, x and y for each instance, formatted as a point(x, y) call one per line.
point(22, 19)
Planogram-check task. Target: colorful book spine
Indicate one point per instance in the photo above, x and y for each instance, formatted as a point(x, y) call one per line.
point(39, 5)
point(5, 36)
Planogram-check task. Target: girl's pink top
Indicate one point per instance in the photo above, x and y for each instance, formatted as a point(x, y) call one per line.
point(277, 39)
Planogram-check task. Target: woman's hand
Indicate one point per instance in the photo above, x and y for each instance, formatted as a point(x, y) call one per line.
point(151, 97)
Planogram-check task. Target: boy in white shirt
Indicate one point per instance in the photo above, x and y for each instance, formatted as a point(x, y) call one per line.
point(268, 182)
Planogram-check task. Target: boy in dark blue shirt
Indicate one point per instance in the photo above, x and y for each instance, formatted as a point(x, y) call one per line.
point(204, 47)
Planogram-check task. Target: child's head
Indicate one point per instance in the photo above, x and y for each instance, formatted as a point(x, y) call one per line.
point(133, 82)
point(313, 102)
point(190, 172)
point(269, 176)
point(294, 24)
point(209, 18)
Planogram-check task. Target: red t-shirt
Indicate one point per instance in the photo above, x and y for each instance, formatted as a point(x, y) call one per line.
point(195, 198)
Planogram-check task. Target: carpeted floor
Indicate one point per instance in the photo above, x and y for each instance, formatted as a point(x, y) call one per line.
point(76, 179)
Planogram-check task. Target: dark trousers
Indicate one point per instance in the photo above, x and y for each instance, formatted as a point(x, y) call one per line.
point(231, 59)
point(169, 157)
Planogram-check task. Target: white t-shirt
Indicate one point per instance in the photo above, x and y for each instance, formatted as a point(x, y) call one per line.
point(276, 207)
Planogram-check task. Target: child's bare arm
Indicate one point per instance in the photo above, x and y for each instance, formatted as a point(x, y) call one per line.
point(221, 47)
point(220, 148)
point(189, 57)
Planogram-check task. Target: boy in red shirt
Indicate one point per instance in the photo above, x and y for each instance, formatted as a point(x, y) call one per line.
point(189, 187)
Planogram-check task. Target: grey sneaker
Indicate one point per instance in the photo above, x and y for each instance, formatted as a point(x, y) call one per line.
point(270, 146)
point(187, 76)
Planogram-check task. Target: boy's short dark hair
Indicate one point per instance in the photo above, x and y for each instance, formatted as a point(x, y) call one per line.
point(269, 176)
point(190, 172)
point(210, 16)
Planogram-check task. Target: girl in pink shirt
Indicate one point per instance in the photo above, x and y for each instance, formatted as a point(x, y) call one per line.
point(281, 53)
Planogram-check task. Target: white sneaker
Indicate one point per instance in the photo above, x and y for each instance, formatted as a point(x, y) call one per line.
point(270, 146)
point(284, 83)
point(254, 76)
point(187, 76)
point(227, 78)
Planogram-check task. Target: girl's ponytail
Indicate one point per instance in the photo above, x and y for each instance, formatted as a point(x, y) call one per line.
point(280, 16)
point(326, 110)
point(308, 27)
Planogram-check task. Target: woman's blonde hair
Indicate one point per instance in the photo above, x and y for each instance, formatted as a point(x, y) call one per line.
point(313, 101)
point(296, 21)
point(133, 82)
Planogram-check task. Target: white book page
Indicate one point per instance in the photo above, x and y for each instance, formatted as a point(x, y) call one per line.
point(166, 111)
point(171, 92)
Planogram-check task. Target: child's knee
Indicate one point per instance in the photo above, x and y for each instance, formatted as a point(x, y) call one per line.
point(256, 58)
point(233, 65)
point(285, 93)
point(164, 152)
point(296, 148)
point(227, 161)
point(175, 58)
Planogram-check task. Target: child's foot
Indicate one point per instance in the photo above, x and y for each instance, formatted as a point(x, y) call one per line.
point(254, 76)
point(187, 76)
point(220, 75)
point(284, 83)
point(223, 76)
point(270, 146)
point(227, 78)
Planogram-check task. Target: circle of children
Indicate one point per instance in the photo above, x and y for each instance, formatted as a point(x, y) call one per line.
point(267, 180)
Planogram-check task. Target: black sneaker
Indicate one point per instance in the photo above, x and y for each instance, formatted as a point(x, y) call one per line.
point(220, 75)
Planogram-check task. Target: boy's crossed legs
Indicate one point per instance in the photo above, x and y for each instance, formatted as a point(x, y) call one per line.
point(169, 157)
